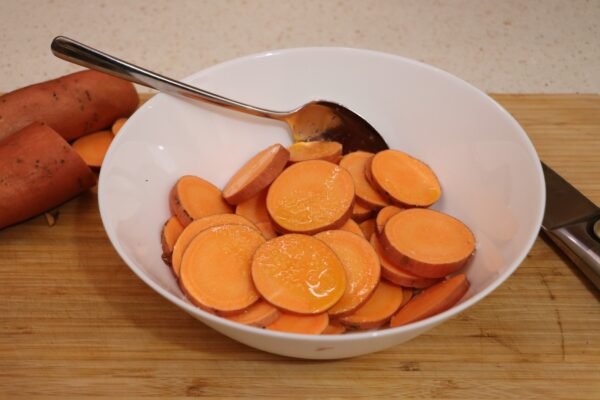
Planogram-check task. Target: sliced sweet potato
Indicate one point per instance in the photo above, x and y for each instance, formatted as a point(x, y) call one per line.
point(193, 197)
point(408, 294)
point(326, 151)
point(367, 227)
point(361, 264)
point(170, 232)
point(351, 226)
point(267, 230)
point(377, 310)
point(215, 270)
point(298, 273)
point(117, 125)
point(310, 197)
point(93, 147)
point(384, 215)
point(334, 328)
point(355, 164)
point(300, 323)
point(361, 213)
point(432, 301)
point(255, 208)
point(259, 314)
point(427, 243)
point(404, 180)
point(256, 174)
point(397, 275)
point(197, 226)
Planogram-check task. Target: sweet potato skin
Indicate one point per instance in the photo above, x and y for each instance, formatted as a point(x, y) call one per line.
point(38, 171)
point(72, 105)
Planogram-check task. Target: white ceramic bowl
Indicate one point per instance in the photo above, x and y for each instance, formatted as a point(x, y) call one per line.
point(489, 170)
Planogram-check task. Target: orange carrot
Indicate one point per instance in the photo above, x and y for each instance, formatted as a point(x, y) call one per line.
point(367, 227)
point(361, 213)
point(326, 151)
point(334, 328)
point(197, 226)
point(432, 301)
point(215, 270)
point(365, 193)
point(351, 226)
point(117, 125)
point(384, 215)
point(427, 243)
point(377, 310)
point(256, 174)
point(255, 208)
point(93, 147)
point(300, 323)
point(405, 180)
point(361, 265)
point(192, 198)
point(298, 273)
point(170, 232)
point(310, 197)
point(259, 314)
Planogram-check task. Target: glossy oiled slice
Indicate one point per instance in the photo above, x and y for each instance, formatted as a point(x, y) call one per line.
point(432, 301)
point(298, 273)
point(299, 323)
point(193, 197)
point(405, 180)
point(361, 265)
point(255, 208)
point(310, 196)
point(193, 229)
point(168, 237)
point(377, 310)
point(367, 195)
point(427, 243)
point(215, 270)
point(352, 226)
point(259, 314)
point(321, 150)
point(384, 215)
point(256, 174)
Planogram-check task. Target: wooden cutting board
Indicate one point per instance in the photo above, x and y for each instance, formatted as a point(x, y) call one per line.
point(75, 322)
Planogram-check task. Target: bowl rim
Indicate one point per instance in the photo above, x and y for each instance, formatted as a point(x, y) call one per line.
point(354, 336)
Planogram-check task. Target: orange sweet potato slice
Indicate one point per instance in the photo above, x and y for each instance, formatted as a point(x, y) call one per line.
point(325, 150)
point(361, 264)
point(367, 227)
point(377, 310)
point(193, 229)
point(397, 275)
point(255, 208)
point(93, 147)
point(170, 232)
point(117, 125)
point(215, 270)
point(408, 294)
point(384, 215)
point(406, 181)
point(361, 213)
point(267, 230)
point(351, 226)
point(334, 328)
point(310, 197)
point(256, 174)
point(427, 243)
point(432, 301)
point(192, 197)
point(300, 323)
point(355, 164)
point(298, 273)
point(259, 314)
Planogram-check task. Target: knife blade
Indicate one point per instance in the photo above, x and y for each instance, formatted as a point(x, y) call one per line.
point(572, 222)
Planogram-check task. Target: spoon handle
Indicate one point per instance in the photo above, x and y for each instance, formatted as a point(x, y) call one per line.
point(79, 53)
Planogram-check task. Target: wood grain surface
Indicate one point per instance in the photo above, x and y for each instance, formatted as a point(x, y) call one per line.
point(75, 322)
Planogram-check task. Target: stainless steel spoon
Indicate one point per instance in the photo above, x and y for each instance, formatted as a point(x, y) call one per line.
point(317, 120)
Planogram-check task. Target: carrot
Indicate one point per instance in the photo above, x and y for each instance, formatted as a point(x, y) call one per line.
point(355, 164)
point(255, 208)
point(361, 213)
point(407, 294)
point(432, 301)
point(38, 171)
point(192, 198)
point(406, 181)
point(215, 270)
point(259, 314)
point(93, 147)
point(367, 227)
point(326, 151)
point(384, 215)
point(361, 264)
point(351, 226)
point(377, 310)
point(117, 125)
point(256, 174)
point(73, 105)
point(298, 273)
point(170, 232)
point(427, 243)
point(334, 328)
point(299, 323)
point(197, 226)
point(310, 196)
point(395, 274)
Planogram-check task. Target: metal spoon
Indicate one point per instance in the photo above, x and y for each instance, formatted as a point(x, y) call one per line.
point(317, 120)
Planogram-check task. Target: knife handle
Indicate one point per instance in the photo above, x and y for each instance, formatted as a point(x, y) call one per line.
point(581, 244)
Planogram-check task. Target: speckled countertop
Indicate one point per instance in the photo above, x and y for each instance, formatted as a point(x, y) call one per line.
point(519, 46)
